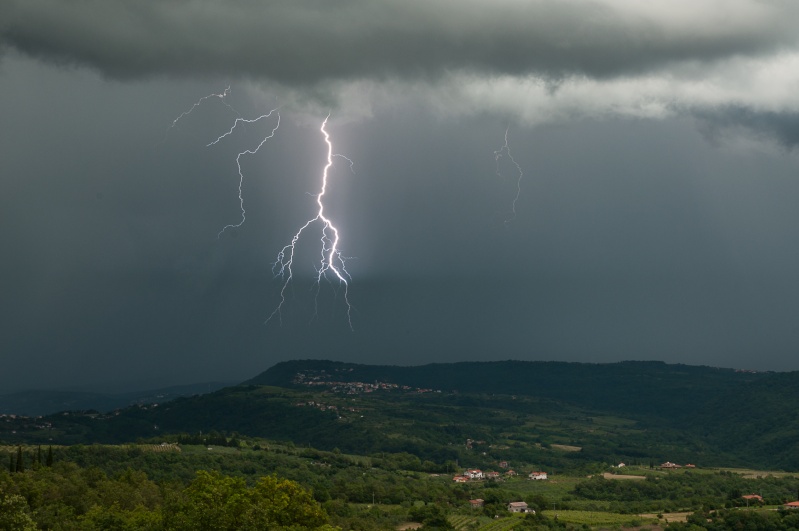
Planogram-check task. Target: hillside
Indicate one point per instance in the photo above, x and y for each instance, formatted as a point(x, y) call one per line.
point(637, 387)
point(562, 415)
point(734, 412)
point(41, 402)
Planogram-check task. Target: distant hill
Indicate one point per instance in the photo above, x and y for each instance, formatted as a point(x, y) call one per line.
point(751, 414)
point(638, 387)
point(629, 411)
point(40, 402)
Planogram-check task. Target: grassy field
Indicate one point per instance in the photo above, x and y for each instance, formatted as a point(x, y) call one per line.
point(556, 487)
point(595, 518)
point(608, 475)
point(502, 524)
point(566, 448)
point(754, 474)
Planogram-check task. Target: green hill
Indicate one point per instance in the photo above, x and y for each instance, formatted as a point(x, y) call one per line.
point(559, 415)
point(638, 387)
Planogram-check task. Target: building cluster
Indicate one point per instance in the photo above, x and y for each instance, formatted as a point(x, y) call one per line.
point(326, 407)
point(354, 388)
point(24, 423)
point(474, 474)
point(668, 465)
point(752, 498)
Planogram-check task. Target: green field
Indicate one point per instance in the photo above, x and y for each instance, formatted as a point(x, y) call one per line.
point(596, 519)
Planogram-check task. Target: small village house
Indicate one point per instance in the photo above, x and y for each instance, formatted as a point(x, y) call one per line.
point(474, 473)
point(518, 507)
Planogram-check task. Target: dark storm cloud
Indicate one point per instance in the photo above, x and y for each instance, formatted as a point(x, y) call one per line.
point(304, 42)
point(634, 238)
point(780, 126)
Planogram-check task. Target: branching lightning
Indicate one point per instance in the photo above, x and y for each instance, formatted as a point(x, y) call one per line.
point(238, 161)
point(504, 151)
point(331, 260)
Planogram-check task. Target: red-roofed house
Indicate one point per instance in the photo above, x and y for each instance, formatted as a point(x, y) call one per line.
point(476, 503)
point(791, 505)
point(537, 475)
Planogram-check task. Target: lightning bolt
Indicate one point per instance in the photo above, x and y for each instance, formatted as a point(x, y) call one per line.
point(199, 102)
point(238, 160)
point(504, 151)
point(221, 96)
point(331, 260)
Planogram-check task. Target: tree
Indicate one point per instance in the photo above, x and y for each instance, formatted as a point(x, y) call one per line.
point(214, 502)
point(286, 503)
point(431, 516)
point(210, 502)
point(115, 518)
point(20, 463)
point(49, 461)
point(15, 515)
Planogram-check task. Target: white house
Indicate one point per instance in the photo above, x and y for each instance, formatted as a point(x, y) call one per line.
point(474, 473)
point(537, 475)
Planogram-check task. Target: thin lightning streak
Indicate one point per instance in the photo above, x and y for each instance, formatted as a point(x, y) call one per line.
point(238, 161)
point(331, 258)
point(199, 102)
point(504, 151)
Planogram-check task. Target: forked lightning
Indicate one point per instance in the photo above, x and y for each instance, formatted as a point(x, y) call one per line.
point(331, 261)
point(331, 258)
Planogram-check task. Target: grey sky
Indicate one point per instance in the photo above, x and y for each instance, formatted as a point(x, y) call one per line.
point(304, 42)
point(656, 218)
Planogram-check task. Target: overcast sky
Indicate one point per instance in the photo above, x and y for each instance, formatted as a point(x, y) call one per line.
point(537, 180)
